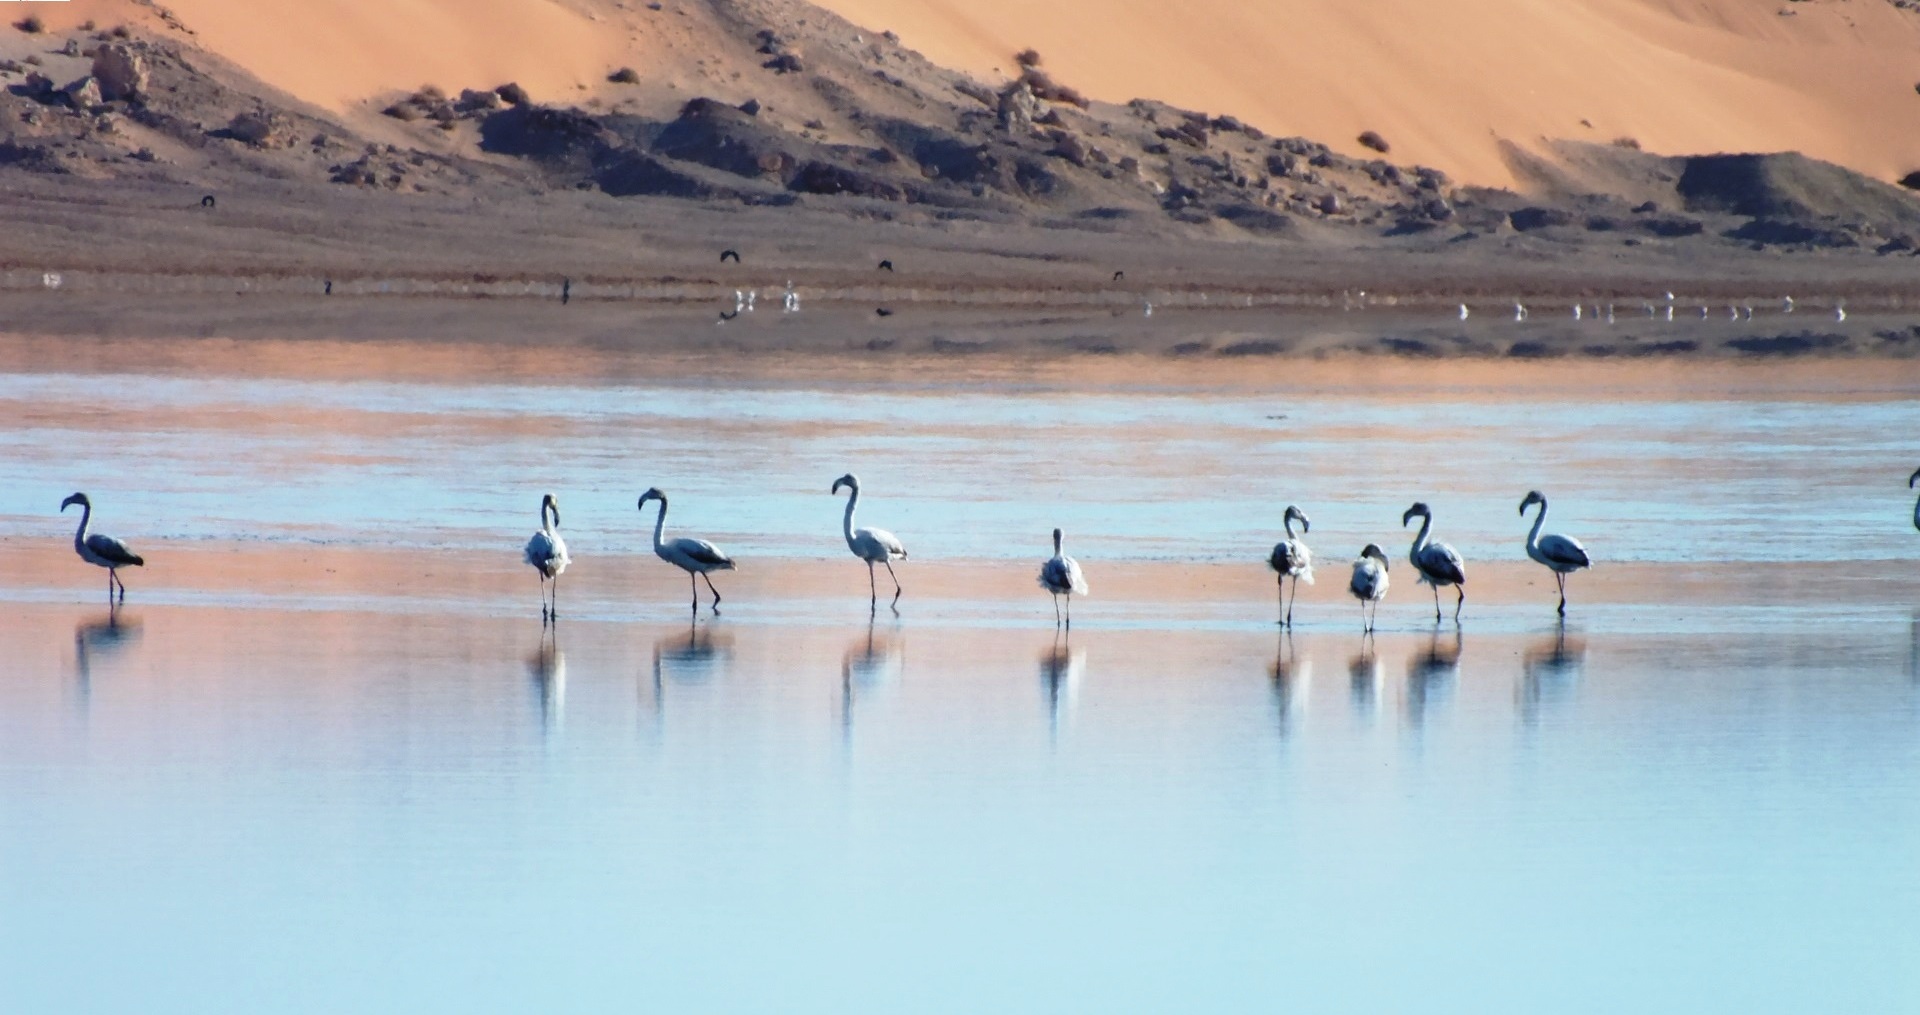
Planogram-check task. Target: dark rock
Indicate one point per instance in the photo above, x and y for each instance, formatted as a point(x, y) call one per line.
point(1529, 219)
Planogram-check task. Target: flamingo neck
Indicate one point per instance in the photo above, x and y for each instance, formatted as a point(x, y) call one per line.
point(1288, 522)
point(1056, 546)
point(1420, 541)
point(659, 524)
point(548, 523)
point(86, 517)
point(853, 498)
point(1533, 538)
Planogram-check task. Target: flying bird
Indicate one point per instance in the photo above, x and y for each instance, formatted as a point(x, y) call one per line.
point(1562, 555)
point(100, 549)
point(546, 552)
point(1061, 576)
point(694, 556)
point(729, 255)
point(875, 546)
point(1369, 582)
point(1438, 563)
point(1291, 559)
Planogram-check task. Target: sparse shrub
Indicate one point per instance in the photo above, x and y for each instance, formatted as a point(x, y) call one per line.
point(87, 25)
point(513, 95)
point(1372, 139)
point(625, 76)
point(1027, 58)
point(31, 24)
point(121, 32)
point(429, 94)
point(1627, 142)
point(1045, 87)
point(405, 111)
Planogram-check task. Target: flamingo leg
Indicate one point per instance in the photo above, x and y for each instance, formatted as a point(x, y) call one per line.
point(710, 588)
point(873, 592)
point(1280, 581)
point(1056, 609)
point(1563, 592)
point(896, 582)
point(1436, 604)
point(556, 597)
point(1461, 591)
point(1069, 612)
point(1293, 601)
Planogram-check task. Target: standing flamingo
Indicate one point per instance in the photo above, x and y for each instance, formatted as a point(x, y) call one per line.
point(1562, 555)
point(1291, 558)
point(875, 546)
point(1061, 576)
point(694, 556)
point(1438, 563)
point(99, 549)
point(547, 553)
point(1369, 582)
point(1915, 478)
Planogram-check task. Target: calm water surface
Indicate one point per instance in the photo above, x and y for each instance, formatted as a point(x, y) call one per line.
point(255, 805)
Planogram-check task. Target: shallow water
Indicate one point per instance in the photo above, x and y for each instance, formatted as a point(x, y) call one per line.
point(379, 786)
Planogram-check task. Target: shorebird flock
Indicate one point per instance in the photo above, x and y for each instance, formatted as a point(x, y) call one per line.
point(1436, 564)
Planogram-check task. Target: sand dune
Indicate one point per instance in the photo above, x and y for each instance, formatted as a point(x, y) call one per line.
point(1446, 83)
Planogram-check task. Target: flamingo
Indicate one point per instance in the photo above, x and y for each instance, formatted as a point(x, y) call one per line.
point(1369, 582)
point(1061, 576)
point(1292, 559)
point(875, 546)
point(1911, 480)
point(99, 549)
point(1438, 563)
point(1562, 555)
point(547, 553)
point(694, 556)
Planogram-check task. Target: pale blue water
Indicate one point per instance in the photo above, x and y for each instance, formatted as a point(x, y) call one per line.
point(242, 801)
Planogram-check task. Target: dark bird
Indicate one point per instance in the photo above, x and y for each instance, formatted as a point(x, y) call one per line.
point(329, 287)
point(728, 316)
point(566, 290)
point(886, 266)
point(882, 312)
point(1119, 276)
point(1438, 563)
point(726, 255)
point(101, 550)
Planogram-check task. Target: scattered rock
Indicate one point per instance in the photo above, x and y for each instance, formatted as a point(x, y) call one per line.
point(261, 129)
point(625, 76)
point(83, 94)
point(513, 95)
point(121, 71)
point(1373, 140)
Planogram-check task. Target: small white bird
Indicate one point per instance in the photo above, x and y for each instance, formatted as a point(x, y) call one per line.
point(1438, 563)
point(1519, 311)
point(694, 556)
point(1464, 312)
point(99, 549)
point(875, 546)
point(1291, 559)
point(1840, 311)
point(1669, 311)
point(1576, 311)
point(1148, 312)
point(1369, 582)
point(547, 553)
point(1061, 576)
point(1562, 555)
point(1609, 313)
point(1786, 304)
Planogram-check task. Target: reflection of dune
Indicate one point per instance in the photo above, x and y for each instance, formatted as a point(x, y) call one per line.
point(99, 640)
point(1430, 674)
point(1061, 669)
point(548, 669)
point(1549, 671)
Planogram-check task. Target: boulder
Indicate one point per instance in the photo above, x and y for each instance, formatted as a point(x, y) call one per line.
point(121, 72)
point(261, 129)
point(84, 93)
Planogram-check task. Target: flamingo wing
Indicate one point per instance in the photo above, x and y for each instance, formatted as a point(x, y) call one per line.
point(113, 551)
point(546, 554)
point(884, 544)
point(1441, 564)
point(1564, 551)
point(702, 553)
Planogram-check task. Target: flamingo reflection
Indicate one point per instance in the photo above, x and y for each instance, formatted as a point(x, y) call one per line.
point(1364, 675)
point(1549, 670)
point(1292, 679)
point(1061, 669)
point(1430, 672)
point(870, 664)
point(100, 639)
point(689, 658)
point(547, 667)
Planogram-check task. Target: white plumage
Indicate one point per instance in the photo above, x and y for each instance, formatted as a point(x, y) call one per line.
point(1061, 576)
point(1292, 559)
point(99, 549)
point(875, 546)
point(1437, 563)
point(546, 553)
point(1369, 581)
point(1562, 555)
point(694, 556)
